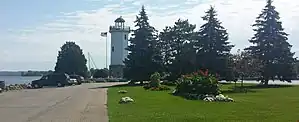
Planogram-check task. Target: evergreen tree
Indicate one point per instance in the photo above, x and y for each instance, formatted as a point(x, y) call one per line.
point(101, 73)
point(178, 52)
point(165, 43)
point(297, 68)
point(213, 48)
point(71, 60)
point(271, 46)
point(143, 59)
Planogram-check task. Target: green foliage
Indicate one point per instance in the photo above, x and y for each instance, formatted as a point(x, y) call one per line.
point(157, 88)
point(177, 48)
point(244, 65)
point(213, 47)
point(198, 83)
point(71, 60)
point(155, 80)
point(101, 73)
point(144, 57)
point(271, 46)
point(91, 72)
point(297, 68)
point(36, 73)
point(168, 83)
point(154, 84)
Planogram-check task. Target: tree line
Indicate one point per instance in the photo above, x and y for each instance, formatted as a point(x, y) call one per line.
point(181, 49)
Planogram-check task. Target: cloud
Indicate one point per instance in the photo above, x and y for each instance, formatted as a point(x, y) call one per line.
point(40, 44)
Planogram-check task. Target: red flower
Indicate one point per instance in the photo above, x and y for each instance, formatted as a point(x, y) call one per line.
point(206, 72)
point(201, 72)
point(195, 73)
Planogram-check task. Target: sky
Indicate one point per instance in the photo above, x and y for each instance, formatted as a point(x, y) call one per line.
point(32, 31)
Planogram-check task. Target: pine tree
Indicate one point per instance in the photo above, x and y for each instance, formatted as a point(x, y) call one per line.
point(178, 48)
point(213, 48)
point(71, 60)
point(165, 42)
point(271, 46)
point(143, 59)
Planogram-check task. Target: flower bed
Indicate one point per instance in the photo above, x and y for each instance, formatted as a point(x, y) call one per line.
point(200, 85)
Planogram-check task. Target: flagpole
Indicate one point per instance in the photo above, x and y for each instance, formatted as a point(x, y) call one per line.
point(106, 51)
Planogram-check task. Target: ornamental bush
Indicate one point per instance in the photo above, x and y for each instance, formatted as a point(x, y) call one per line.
point(154, 84)
point(197, 83)
point(155, 80)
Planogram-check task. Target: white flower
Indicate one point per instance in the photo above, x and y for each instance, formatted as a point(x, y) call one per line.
point(126, 100)
point(122, 91)
point(220, 97)
point(209, 99)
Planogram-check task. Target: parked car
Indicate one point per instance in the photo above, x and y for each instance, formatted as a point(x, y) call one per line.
point(54, 79)
point(79, 79)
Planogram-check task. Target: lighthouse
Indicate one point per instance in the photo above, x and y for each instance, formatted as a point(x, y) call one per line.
point(119, 42)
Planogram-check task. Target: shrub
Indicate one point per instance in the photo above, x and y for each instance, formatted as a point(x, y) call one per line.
point(155, 80)
point(101, 73)
point(168, 83)
point(198, 83)
point(154, 84)
point(146, 86)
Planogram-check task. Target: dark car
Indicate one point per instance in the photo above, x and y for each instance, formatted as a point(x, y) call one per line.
point(79, 78)
point(55, 79)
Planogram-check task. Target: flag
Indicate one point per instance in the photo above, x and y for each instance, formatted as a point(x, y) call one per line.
point(104, 34)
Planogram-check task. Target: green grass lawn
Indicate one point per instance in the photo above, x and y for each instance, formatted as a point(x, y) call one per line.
point(260, 105)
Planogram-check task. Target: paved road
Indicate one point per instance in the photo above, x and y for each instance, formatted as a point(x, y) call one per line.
point(84, 103)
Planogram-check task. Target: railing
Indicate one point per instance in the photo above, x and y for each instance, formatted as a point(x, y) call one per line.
point(115, 28)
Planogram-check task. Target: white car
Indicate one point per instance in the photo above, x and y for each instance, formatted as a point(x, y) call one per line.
point(73, 81)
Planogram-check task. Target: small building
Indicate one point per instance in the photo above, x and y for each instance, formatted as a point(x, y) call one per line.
point(119, 43)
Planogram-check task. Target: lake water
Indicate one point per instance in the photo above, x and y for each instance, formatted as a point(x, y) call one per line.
point(18, 79)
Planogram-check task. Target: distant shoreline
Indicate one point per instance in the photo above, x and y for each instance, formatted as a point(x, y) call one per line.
point(24, 73)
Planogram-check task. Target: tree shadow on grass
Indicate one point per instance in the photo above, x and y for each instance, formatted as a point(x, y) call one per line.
point(252, 88)
point(238, 90)
point(120, 85)
point(258, 86)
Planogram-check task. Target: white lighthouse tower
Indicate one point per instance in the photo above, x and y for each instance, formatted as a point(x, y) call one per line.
point(119, 43)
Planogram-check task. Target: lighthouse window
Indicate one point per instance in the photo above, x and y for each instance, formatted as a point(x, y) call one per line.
point(112, 49)
point(125, 37)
